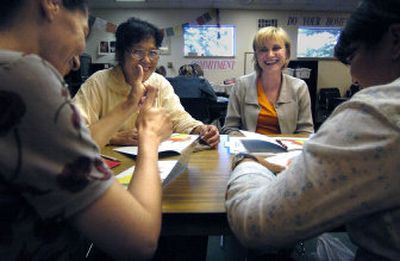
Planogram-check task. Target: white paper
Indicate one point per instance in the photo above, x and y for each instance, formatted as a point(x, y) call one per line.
point(165, 167)
point(235, 145)
point(171, 144)
point(293, 143)
point(283, 159)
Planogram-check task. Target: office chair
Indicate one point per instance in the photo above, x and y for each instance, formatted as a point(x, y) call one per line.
point(327, 98)
point(326, 103)
point(74, 79)
point(198, 108)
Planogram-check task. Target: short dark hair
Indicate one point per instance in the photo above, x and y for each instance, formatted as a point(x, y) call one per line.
point(10, 8)
point(198, 71)
point(132, 32)
point(161, 70)
point(8, 11)
point(367, 25)
point(73, 5)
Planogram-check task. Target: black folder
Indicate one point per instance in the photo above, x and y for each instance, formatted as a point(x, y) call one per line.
point(255, 146)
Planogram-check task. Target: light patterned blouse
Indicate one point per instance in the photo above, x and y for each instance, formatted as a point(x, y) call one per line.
point(107, 88)
point(348, 173)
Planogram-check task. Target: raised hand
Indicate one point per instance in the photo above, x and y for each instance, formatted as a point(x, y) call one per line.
point(134, 77)
point(148, 99)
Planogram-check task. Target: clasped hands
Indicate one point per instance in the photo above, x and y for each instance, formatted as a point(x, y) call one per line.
point(150, 120)
point(137, 96)
point(208, 133)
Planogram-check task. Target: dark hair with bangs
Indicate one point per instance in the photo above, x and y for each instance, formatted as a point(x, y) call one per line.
point(134, 31)
point(367, 25)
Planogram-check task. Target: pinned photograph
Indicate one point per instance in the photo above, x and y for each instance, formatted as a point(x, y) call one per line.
point(112, 46)
point(104, 47)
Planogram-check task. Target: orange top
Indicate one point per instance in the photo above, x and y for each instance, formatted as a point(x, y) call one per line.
point(267, 122)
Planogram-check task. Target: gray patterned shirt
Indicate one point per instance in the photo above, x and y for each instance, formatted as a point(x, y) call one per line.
point(50, 169)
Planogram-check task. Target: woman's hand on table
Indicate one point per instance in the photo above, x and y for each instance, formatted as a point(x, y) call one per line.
point(208, 133)
point(125, 137)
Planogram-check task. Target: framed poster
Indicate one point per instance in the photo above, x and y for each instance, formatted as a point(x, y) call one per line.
point(317, 42)
point(209, 41)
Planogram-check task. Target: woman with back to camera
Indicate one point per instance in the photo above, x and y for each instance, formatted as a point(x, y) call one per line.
point(190, 83)
point(137, 43)
point(268, 101)
point(348, 173)
point(55, 191)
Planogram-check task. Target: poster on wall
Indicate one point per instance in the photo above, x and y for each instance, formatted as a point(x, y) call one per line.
point(106, 47)
point(267, 22)
point(165, 46)
point(103, 48)
point(317, 42)
point(209, 40)
point(112, 46)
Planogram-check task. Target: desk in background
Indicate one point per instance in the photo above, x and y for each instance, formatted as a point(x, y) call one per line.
point(218, 110)
point(223, 89)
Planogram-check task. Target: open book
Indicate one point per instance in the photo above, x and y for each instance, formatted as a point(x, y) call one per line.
point(172, 146)
point(169, 169)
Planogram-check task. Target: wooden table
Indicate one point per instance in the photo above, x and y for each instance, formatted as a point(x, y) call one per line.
point(193, 203)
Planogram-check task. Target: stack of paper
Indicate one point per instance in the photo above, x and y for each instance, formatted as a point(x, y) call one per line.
point(263, 145)
point(173, 146)
point(165, 167)
point(182, 144)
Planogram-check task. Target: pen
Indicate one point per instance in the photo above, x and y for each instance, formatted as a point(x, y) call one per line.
point(109, 157)
point(281, 143)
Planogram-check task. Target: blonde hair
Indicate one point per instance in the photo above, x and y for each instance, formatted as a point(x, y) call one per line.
point(270, 33)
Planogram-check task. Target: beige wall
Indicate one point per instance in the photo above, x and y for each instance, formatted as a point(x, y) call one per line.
point(331, 72)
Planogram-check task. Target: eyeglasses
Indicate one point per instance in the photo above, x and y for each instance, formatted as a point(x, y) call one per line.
point(139, 54)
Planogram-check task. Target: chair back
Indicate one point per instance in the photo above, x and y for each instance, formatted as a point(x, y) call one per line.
point(327, 96)
point(198, 108)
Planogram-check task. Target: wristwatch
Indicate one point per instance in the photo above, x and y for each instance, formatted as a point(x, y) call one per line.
point(238, 158)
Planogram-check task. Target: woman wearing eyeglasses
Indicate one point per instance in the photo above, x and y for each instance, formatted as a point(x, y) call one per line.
point(268, 101)
point(100, 98)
